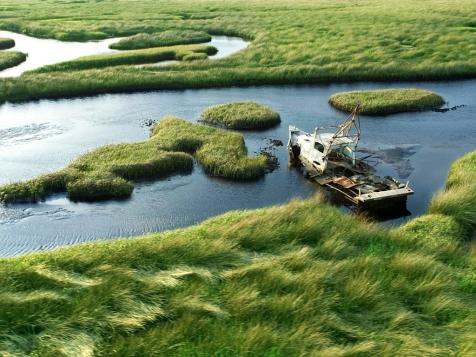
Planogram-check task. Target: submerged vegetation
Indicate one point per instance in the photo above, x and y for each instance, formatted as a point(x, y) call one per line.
point(387, 101)
point(11, 59)
point(241, 115)
point(151, 55)
point(165, 38)
point(109, 171)
point(291, 280)
point(6, 43)
point(308, 42)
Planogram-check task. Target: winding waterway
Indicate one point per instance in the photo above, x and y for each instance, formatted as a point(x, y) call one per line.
point(43, 136)
point(42, 52)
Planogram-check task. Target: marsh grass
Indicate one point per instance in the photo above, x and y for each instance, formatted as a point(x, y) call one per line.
point(6, 43)
point(151, 55)
point(241, 115)
point(165, 38)
point(309, 42)
point(11, 59)
point(458, 200)
point(297, 279)
point(387, 101)
point(195, 57)
point(109, 171)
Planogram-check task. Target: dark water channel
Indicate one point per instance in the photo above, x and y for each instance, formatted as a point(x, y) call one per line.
point(42, 136)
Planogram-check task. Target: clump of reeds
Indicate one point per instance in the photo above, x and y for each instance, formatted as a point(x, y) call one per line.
point(11, 59)
point(387, 101)
point(6, 43)
point(159, 39)
point(241, 115)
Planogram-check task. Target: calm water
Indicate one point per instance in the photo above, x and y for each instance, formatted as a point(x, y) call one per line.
point(42, 136)
point(42, 52)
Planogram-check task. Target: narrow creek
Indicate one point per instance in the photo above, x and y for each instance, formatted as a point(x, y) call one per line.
point(42, 52)
point(39, 137)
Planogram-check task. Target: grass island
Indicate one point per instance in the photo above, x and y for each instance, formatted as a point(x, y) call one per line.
point(241, 115)
point(387, 101)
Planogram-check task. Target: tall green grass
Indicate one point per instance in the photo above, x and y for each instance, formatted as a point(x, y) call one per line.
point(292, 280)
point(241, 115)
point(306, 42)
point(387, 101)
point(11, 59)
point(151, 55)
point(165, 38)
point(109, 171)
point(6, 43)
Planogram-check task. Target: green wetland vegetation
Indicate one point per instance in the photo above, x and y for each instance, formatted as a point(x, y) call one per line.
point(241, 115)
point(298, 279)
point(11, 58)
point(387, 101)
point(165, 38)
point(109, 171)
point(6, 43)
point(150, 55)
point(306, 42)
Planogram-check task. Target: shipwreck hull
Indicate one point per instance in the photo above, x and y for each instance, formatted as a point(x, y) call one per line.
point(367, 192)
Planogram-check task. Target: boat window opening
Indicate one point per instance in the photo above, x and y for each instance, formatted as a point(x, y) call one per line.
point(319, 147)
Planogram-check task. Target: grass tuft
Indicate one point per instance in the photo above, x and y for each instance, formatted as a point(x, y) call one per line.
point(11, 59)
point(387, 101)
point(6, 43)
point(241, 115)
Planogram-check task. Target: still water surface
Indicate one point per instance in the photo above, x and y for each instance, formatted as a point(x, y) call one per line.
point(42, 52)
point(43, 136)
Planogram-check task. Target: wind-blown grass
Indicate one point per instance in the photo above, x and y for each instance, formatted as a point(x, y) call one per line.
point(109, 171)
point(297, 279)
point(11, 59)
point(459, 197)
point(150, 55)
point(387, 101)
point(6, 43)
point(309, 42)
point(165, 38)
point(241, 115)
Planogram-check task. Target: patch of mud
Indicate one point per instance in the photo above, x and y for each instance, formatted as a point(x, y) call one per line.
point(27, 133)
point(147, 123)
point(447, 109)
point(269, 152)
point(395, 156)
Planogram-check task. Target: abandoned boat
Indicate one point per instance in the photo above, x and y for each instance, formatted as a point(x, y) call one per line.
point(330, 160)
